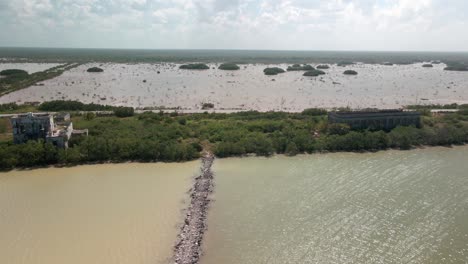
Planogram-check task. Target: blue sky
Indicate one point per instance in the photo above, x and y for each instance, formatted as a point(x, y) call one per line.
point(434, 25)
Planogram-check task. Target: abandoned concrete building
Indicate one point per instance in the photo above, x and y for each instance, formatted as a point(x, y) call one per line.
point(385, 119)
point(56, 129)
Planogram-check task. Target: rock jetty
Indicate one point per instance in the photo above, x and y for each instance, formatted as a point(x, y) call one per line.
point(188, 247)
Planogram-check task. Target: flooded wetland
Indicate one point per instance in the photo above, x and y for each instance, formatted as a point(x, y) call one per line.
point(164, 85)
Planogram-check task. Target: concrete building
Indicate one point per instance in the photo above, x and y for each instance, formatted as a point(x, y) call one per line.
point(378, 120)
point(42, 126)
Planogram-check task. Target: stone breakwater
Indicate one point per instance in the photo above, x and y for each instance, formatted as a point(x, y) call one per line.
point(188, 248)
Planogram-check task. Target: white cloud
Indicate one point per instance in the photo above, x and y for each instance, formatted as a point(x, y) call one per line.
point(254, 24)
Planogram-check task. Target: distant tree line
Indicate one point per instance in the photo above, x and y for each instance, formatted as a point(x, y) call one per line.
point(64, 105)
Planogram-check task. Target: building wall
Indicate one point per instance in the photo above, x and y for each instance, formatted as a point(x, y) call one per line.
point(35, 127)
point(30, 127)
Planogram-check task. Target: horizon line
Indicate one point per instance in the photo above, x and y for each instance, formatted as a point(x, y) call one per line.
point(225, 49)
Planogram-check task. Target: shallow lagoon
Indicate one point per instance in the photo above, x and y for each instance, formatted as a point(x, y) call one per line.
point(249, 89)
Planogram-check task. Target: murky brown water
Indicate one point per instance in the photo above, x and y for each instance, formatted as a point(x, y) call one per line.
point(97, 214)
point(386, 207)
point(249, 89)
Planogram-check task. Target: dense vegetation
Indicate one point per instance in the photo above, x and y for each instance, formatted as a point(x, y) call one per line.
point(207, 106)
point(229, 67)
point(350, 72)
point(9, 107)
point(18, 79)
point(314, 73)
point(95, 69)
point(438, 106)
point(174, 137)
point(273, 71)
point(195, 66)
point(12, 76)
point(298, 67)
point(456, 67)
point(61, 105)
point(345, 63)
point(10, 72)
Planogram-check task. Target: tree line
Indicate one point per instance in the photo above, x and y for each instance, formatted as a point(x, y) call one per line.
point(180, 137)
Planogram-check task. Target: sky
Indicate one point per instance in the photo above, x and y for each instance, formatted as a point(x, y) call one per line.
point(389, 25)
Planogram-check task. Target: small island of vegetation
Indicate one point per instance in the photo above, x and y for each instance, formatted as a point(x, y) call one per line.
point(206, 106)
point(456, 67)
point(345, 63)
point(323, 67)
point(314, 73)
point(298, 67)
point(95, 69)
point(273, 71)
point(229, 67)
point(350, 72)
point(15, 79)
point(12, 72)
point(194, 66)
point(12, 76)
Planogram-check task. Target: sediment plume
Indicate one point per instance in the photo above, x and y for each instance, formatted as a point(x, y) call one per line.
point(188, 248)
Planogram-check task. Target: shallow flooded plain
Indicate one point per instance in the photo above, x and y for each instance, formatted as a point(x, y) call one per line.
point(96, 214)
point(385, 207)
point(140, 85)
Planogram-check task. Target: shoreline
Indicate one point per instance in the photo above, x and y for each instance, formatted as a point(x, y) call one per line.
point(188, 247)
point(61, 166)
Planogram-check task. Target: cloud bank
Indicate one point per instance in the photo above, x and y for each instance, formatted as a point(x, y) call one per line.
point(437, 25)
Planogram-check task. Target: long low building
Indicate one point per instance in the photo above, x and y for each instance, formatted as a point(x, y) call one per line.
point(378, 120)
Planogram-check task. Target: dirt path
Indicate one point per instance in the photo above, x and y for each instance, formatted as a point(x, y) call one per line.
point(188, 248)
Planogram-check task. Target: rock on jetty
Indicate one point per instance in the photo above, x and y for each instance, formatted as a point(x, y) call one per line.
point(189, 241)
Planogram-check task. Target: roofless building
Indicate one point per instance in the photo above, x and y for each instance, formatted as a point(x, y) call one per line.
point(379, 120)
